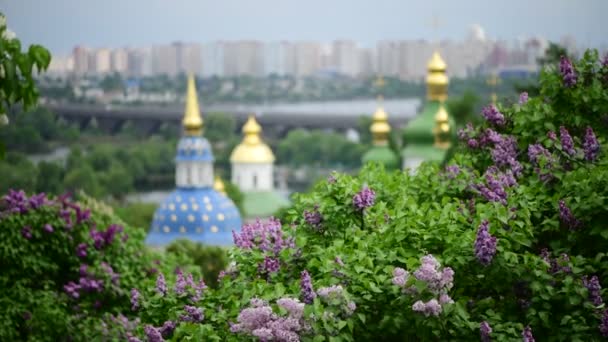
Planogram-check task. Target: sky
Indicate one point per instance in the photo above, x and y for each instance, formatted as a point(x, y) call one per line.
point(61, 24)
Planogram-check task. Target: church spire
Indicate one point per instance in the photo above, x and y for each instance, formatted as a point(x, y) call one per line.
point(380, 127)
point(436, 79)
point(441, 130)
point(192, 122)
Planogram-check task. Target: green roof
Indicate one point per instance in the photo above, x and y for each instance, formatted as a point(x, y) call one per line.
point(383, 155)
point(420, 129)
point(263, 204)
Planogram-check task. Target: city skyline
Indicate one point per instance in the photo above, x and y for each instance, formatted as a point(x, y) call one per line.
point(62, 24)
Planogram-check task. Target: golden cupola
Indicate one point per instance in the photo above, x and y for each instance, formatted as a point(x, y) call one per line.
point(252, 150)
point(380, 127)
point(441, 131)
point(192, 122)
point(218, 185)
point(436, 79)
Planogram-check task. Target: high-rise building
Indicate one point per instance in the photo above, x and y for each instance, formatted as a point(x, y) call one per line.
point(99, 61)
point(277, 58)
point(139, 62)
point(213, 59)
point(307, 58)
point(119, 60)
point(244, 57)
point(81, 60)
point(164, 60)
point(346, 57)
point(188, 58)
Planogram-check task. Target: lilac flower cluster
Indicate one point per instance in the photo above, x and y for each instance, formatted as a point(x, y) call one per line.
point(265, 236)
point(314, 217)
point(504, 153)
point(523, 98)
point(542, 160)
point(594, 288)
point(566, 216)
point(124, 325)
point(330, 292)
point(26, 232)
point(81, 250)
point(452, 171)
point(193, 314)
point(134, 299)
point(270, 265)
point(468, 135)
point(307, 292)
point(114, 277)
point(364, 199)
point(105, 238)
point(527, 335)
point(604, 324)
point(167, 329)
point(566, 141)
point(556, 265)
point(496, 184)
point(260, 321)
point(567, 71)
point(485, 330)
point(438, 282)
point(493, 116)
point(153, 334)
point(485, 244)
point(591, 147)
point(17, 202)
point(161, 284)
point(85, 284)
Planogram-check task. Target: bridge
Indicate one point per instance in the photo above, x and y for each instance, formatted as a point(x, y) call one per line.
point(276, 119)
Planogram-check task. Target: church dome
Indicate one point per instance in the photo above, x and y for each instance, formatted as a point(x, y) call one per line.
point(194, 210)
point(252, 150)
point(197, 214)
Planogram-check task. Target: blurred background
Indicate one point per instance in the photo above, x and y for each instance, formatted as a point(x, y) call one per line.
point(312, 72)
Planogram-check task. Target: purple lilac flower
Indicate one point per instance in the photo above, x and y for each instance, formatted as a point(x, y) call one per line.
point(16, 201)
point(485, 244)
point(83, 270)
point(594, 288)
point(48, 228)
point(444, 299)
point(293, 306)
point(167, 329)
point(270, 265)
point(82, 215)
point(527, 335)
point(566, 216)
point(523, 98)
point(566, 140)
point(308, 294)
point(153, 334)
point(493, 116)
point(496, 184)
point(485, 330)
point(133, 339)
point(591, 147)
point(551, 135)
point(400, 276)
point(604, 324)
point(504, 154)
point(193, 314)
point(180, 283)
point(81, 250)
point(313, 217)
point(331, 291)
point(26, 232)
point(364, 198)
point(66, 215)
point(430, 308)
point(265, 236)
point(331, 179)
point(535, 151)
point(567, 71)
point(36, 201)
point(108, 269)
point(339, 261)
point(452, 171)
point(437, 281)
point(161, 285)
point(134, 299)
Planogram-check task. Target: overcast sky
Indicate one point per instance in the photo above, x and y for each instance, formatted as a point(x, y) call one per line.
point(61, 24)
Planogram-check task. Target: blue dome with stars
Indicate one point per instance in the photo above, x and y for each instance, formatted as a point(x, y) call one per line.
point(194, 210)
point(202, 215)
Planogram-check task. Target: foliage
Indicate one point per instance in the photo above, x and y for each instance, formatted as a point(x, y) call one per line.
point(64, 267)
point(137, 215)
point(463, 109)
point(507, 241)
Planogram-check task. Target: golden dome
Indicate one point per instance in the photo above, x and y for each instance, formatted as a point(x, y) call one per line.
point(192, 122)
point(380, 127)
point(442, 128)
point(252, 149)
point(436, 79)
point(218, 185)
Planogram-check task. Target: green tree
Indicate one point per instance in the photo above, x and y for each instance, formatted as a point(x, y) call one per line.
point(219, 127)
point(17, 85)
point(50, 178)
point(463, 108)
point(363, 125)
point(17, 172)
point(83, 178)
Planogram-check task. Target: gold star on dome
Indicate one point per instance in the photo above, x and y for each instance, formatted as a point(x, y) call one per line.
point(178, 199)
point(214, 229)
point(205, 218)
point(182, 229)
point(173, 218)
point(166, 229)
point(184, 207)
point(220, 217)
point(171, 206)
point(194, 206)
point(209, 207)
point(190, 218)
